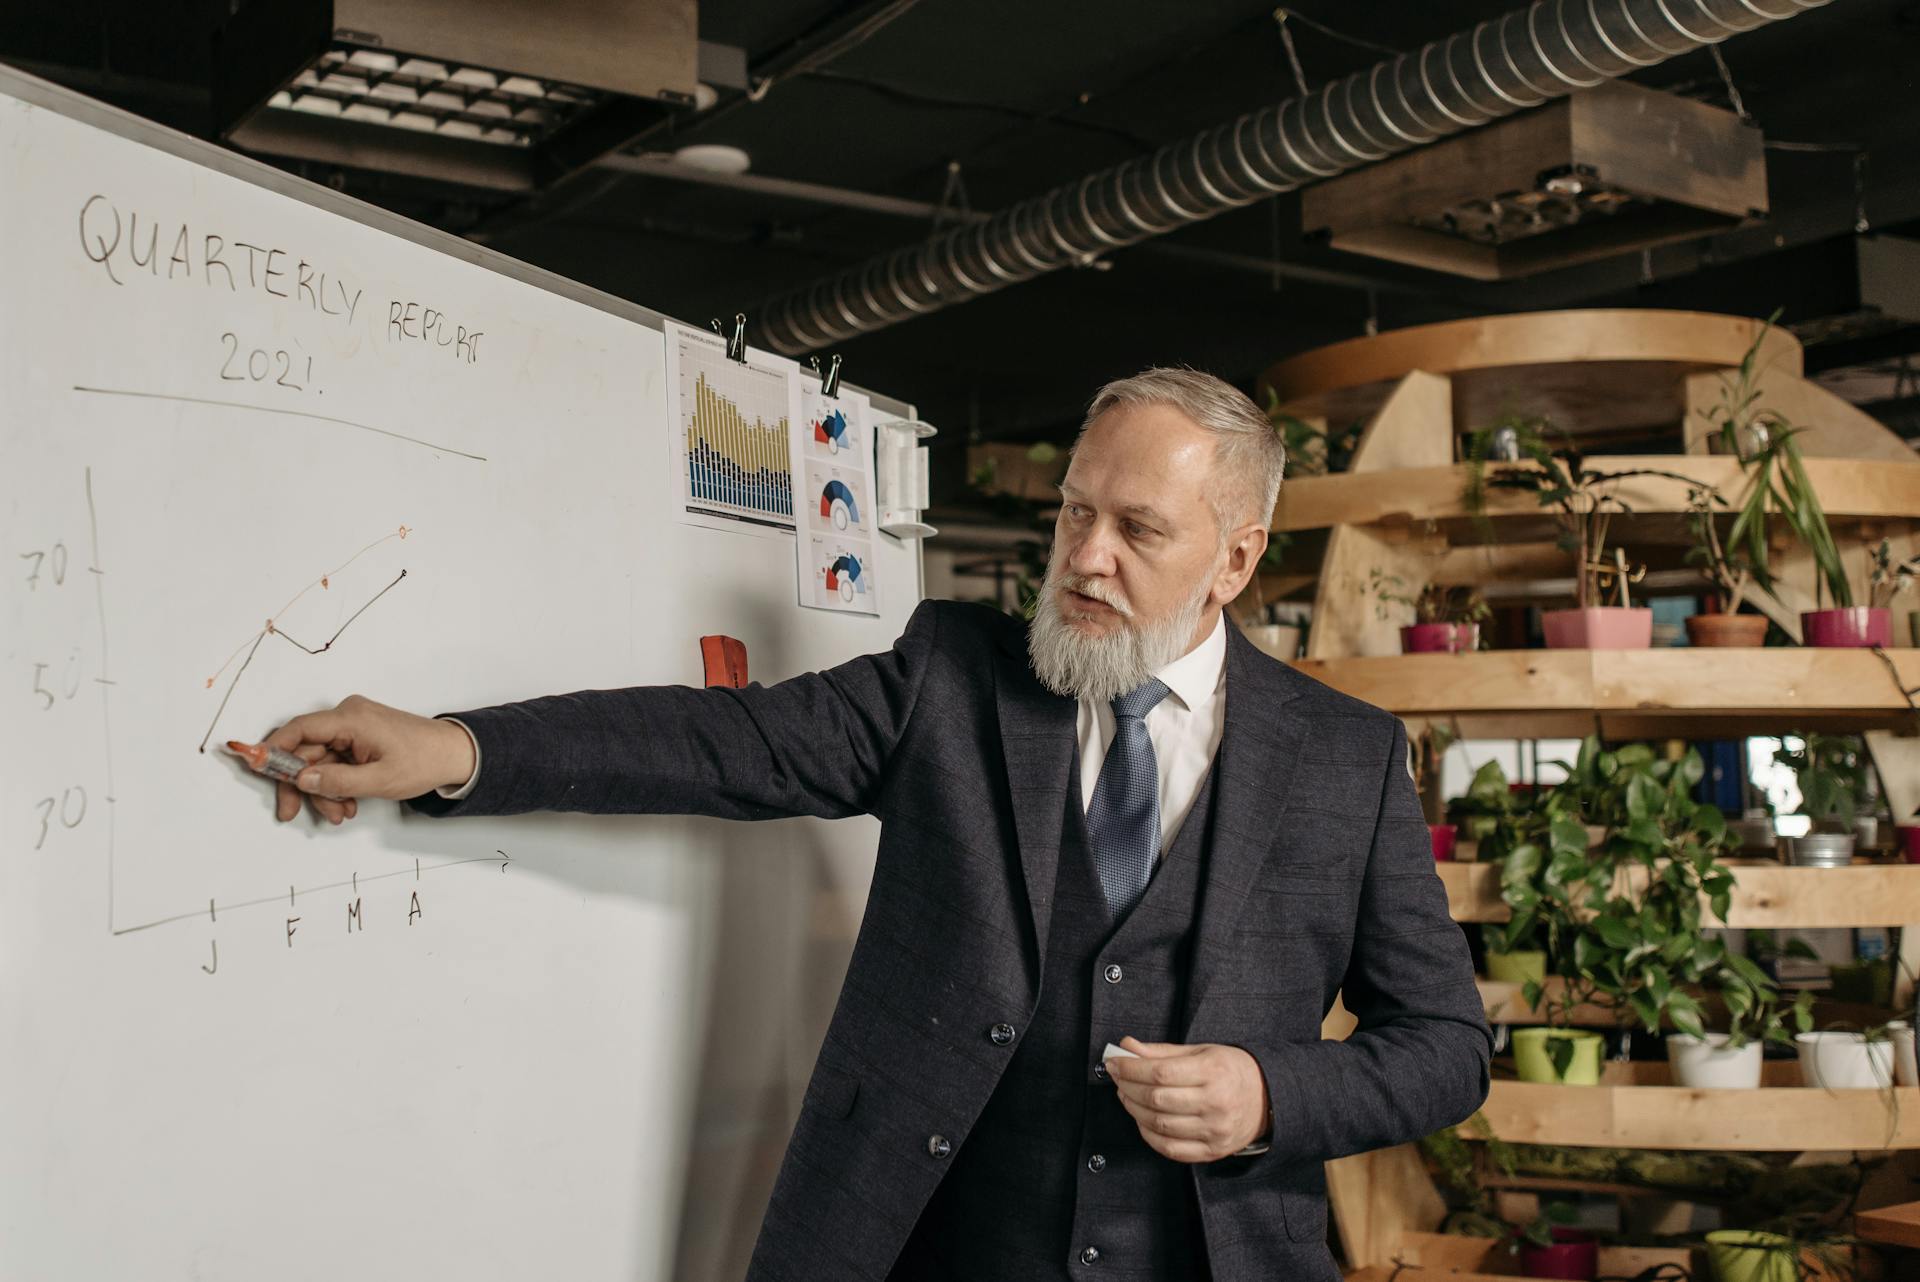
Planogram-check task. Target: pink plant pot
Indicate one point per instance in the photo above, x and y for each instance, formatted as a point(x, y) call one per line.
point(1855, 626)
point(1574, 1254)
point(1440, 638)
point(1444, 836)
point(1910, 842)
point(1602, 627)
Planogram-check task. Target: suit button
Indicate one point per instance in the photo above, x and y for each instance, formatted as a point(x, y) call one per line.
point(938, 1146)
point(1113, 974)
point(1097, 1163)
point(1000, 1034)
point(1100, 1070)
point(1090, 1255)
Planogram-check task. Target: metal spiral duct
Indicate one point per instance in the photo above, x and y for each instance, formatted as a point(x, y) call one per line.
point(1505, 65)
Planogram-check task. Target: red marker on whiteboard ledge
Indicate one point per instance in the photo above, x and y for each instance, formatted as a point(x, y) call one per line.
point(274, 763)
point(725, 660)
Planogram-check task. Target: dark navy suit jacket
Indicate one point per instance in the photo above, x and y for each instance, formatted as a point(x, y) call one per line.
point(1320, 880)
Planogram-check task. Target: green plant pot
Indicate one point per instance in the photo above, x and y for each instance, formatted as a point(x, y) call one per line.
point(1868, 983)
point(1517, 968)
point(1531, 1060)
point(1743, 1255)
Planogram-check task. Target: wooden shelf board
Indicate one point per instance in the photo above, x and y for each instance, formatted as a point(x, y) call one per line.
point(1850, 489)
point(1672, 690)
point(1765, 895)
point(1893, 1225)
point(1631, 1110)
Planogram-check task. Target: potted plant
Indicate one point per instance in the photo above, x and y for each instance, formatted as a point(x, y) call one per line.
point(1730, 572)
point(1496, 818)
point(1756, 1017)
point(1843, 1059)
point(1549, 1247)
point(1831, 771)
point(1626, 930)
point(1852, 625)
point(1748, 1255)
point(1312, 451)
point(1584, 502)
point(1270, 633)
point(1446, 620)
point(1777, 484)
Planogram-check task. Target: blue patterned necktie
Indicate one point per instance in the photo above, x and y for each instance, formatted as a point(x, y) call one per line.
point(1124, 820)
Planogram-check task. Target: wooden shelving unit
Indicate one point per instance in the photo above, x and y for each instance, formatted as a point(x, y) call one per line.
point(1633, 389)
point(1637, 1106)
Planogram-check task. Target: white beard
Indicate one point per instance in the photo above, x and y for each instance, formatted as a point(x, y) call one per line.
point(1102, 668)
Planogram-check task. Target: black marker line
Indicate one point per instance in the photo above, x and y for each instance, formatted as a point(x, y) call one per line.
point(274, 899)
point(229, 694)
point(280, 409)
point(343, 627)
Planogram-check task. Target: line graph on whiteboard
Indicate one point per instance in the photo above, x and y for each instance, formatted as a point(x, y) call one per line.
point(84, 810)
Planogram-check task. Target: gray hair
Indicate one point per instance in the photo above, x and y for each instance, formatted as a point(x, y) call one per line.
point(1249, 456)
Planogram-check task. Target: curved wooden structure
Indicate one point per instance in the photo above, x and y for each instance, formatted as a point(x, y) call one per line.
point(1666, 340)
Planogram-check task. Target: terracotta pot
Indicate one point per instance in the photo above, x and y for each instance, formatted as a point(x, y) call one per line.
point(1727, 629)
point(1440, 638)
point(1601, 627)
point(1854, 626)
point(1444, 836)
point(1575, 1253)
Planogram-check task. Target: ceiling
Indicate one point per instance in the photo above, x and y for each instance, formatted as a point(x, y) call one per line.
point(1025, 96)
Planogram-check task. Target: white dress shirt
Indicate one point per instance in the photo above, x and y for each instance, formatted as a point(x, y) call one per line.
point(1184, 729)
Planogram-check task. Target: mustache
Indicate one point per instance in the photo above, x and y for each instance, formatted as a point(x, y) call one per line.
point(1098, 590)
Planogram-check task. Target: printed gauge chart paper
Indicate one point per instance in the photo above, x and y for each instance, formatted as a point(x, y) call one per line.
point(834, 501)
point(731, 428)
point(839, 576)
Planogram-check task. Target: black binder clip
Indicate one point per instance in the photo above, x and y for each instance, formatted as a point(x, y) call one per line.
point(829, 377)
point(736, 341)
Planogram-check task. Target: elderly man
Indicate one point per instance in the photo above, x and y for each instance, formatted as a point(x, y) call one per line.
point(1122, 824)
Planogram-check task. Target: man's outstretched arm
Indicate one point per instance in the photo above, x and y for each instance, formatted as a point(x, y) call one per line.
point(817, 745)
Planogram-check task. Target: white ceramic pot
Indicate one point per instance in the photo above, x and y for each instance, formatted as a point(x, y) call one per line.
point(1905, 1070)
point(1844, 1061)
point(1706, 1062)
point(1281, 640)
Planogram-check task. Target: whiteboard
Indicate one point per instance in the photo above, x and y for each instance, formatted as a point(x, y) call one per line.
point(539, 1047)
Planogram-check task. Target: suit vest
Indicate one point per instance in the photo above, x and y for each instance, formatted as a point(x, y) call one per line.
point(1054, 1180)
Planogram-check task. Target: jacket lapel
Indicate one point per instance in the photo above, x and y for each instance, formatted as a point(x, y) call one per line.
point(1260, 748)
point(1037, 734)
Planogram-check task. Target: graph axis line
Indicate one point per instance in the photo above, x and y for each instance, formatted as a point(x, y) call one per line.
point(415, 872)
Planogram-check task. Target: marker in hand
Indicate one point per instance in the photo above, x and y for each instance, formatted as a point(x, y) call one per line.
point(264, 760)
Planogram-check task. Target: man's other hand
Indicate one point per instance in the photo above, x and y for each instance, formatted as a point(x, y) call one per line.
point(366, 749)
point(1192, 1103)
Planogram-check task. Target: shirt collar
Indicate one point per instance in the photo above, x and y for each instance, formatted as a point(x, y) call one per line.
point(1195, 675)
